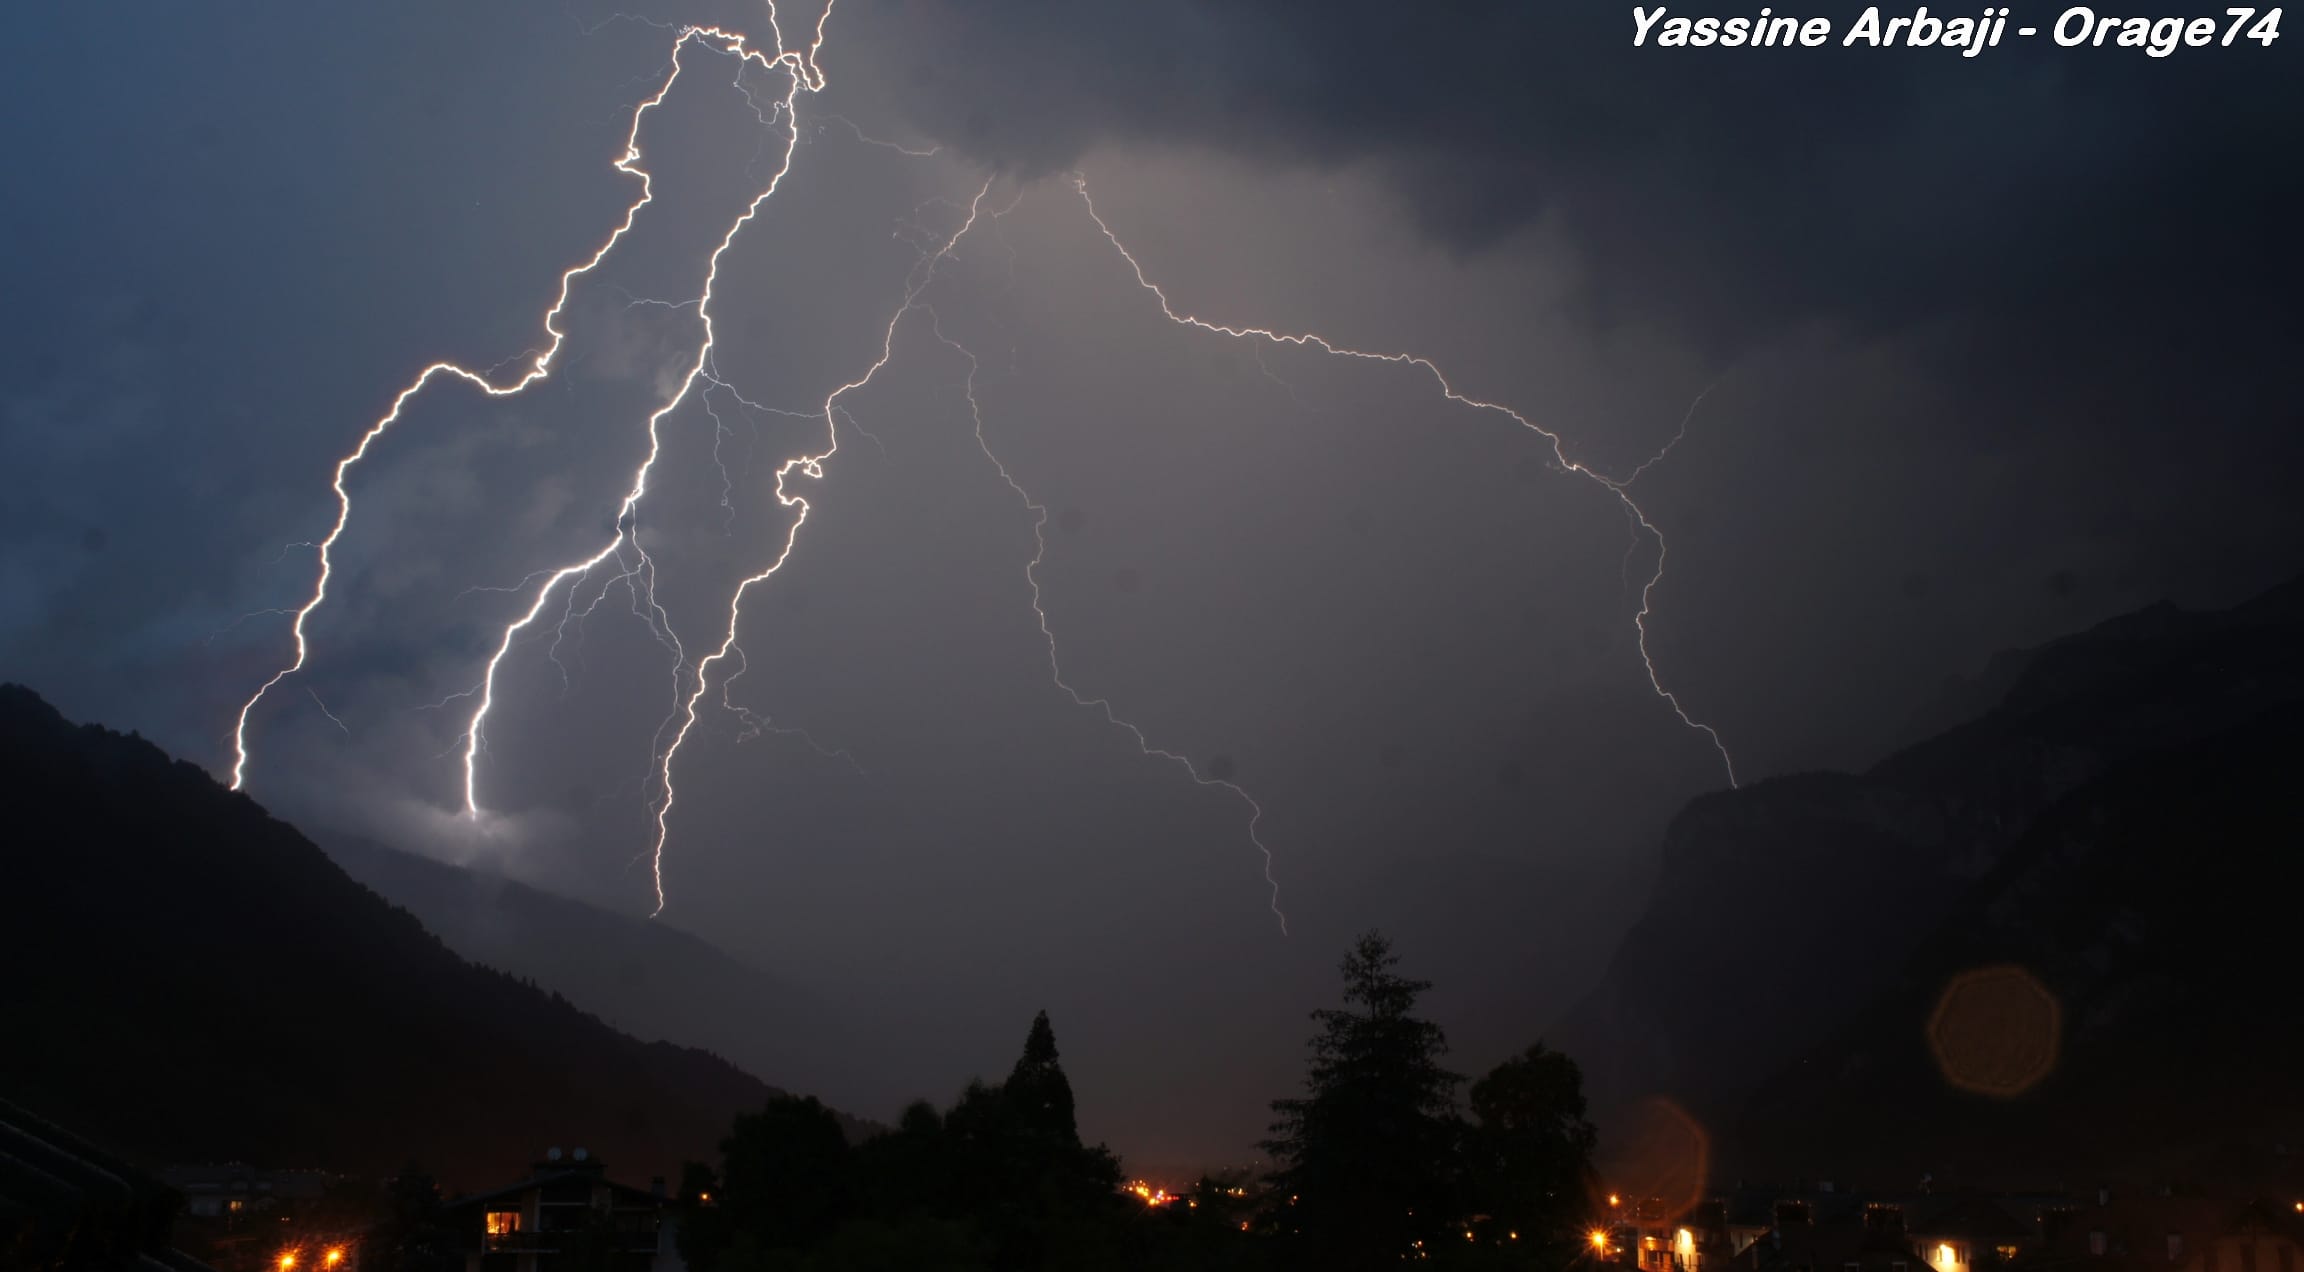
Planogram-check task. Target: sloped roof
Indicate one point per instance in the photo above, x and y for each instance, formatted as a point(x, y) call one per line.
point(1966, 1216)
point(543, 1178)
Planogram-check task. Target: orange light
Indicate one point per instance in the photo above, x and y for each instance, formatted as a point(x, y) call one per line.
point(1615, 1200)
point(287, 1260)
point(703, 1196)
point(1599, 1239)
point(335, 1256)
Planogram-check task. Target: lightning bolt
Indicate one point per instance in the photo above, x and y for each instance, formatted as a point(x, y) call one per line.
point(325, 711)
point(1102, 706)
point(812, 467)
point(803, 72)
point(802, 76)
point(623, 560)
point(1678, 436)
point(1620, 489)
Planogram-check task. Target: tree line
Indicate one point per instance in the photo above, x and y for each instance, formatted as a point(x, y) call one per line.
point(1375, 1163)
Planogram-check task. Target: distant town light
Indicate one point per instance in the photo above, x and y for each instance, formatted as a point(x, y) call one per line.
point(1615, 1200)
point(335, 1256)
point(287, 1260)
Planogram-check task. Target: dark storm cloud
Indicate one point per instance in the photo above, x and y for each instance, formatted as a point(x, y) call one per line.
point(1739, 188)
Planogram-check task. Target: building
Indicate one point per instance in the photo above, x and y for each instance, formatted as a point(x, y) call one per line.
point(1820, 1228)
point(219, 1191)
point(1817, 1228)
point(246, 1219)
point(565, 1216)
point(2163, 1232)
point(1965, 1232)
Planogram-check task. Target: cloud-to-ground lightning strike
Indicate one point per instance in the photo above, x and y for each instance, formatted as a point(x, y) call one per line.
point(803, 76)
point(638, 571)
point(811, 466)
point(1619, 488)
point(1102, 706)
point(623, 560)
point(804, 73)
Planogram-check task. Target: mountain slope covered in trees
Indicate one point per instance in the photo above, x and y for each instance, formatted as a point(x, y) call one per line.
point(642, 976)
point(191, 979)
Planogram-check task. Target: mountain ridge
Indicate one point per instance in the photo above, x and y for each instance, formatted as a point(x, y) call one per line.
point(643, 976)
point(1781, 910)
point(172, 942)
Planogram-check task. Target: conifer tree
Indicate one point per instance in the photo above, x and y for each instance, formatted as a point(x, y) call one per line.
point(1367, 1155)
point(1038, 1092)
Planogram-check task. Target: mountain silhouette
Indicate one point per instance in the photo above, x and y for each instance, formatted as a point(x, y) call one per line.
point(643, 976)
point(1779, 986)
point(190, 979)
point(2155, 914)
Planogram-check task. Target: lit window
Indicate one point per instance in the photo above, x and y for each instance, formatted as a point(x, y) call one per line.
point(501, 1222)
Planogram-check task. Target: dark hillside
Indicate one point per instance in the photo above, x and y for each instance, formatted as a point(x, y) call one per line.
point(191, 979)
point(1783, 910)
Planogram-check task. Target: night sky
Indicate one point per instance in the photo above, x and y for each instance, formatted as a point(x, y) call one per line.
point(1968, 353)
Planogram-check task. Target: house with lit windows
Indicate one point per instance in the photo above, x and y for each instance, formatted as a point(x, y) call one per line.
point(567, 1213)
point(1820, 1228)
point(2159, 1232)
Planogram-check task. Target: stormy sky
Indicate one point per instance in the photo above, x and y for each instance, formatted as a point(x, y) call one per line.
point(1986, 350)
